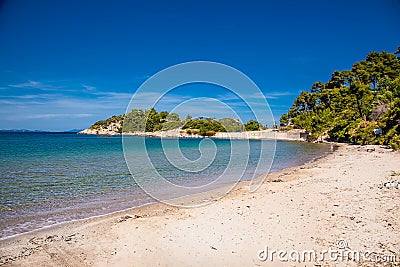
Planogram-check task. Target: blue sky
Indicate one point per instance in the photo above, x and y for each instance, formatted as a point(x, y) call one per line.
point(66, 64)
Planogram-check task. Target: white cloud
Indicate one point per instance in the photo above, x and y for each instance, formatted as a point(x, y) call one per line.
point(18, 102)
point(89, 87)
point(71, 104)
point(29, 84)
point(115, 95)
point(58, 115)
point(36, 85)
point(276, 95)
point(31, 96)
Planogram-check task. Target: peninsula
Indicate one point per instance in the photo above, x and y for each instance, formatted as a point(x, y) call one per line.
point(360, 106)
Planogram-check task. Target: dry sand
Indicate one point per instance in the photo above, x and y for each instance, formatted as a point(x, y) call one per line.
point(338, 197)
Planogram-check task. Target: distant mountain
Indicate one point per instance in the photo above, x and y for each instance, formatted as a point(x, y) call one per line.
point(22, 131)
point(73, 131)
point(37, 131)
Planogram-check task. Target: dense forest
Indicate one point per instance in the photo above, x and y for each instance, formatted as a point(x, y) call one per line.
point(150, 121)
point(361, 105)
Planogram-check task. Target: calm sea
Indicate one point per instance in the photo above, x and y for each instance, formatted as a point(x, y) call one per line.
point(47, 178)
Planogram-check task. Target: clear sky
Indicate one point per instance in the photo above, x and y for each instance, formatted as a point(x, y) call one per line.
point(66, 64)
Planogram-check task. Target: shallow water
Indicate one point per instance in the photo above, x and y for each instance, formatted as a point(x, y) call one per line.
point(47, 178)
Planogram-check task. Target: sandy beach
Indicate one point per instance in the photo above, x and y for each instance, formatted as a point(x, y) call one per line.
point(339, 202)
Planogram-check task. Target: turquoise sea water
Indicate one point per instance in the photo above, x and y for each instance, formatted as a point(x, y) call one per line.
point(47, 178)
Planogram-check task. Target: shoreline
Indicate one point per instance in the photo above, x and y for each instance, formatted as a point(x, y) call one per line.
point(13, 247)
point(269, 134)
point(240, 184)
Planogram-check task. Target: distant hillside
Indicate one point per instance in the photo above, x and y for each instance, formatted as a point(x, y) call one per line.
point(150, 121)
point(22, 131)
point(73, 131)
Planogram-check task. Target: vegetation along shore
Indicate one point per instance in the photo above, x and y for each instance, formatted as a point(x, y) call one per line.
point(361, 105)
